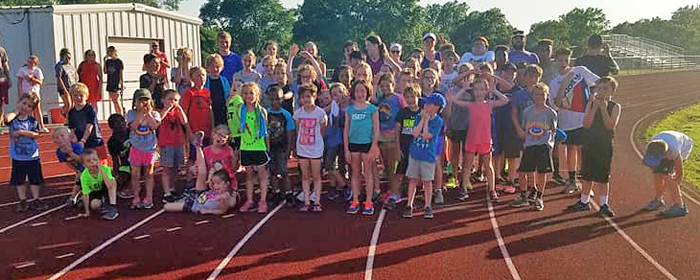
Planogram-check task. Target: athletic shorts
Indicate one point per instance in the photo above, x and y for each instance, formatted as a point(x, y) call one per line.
point(457, 136)
point(113, 88)
point(478, 149)
point(536, 159)
point(139, 158)
point(331, 158)
point(596, 162)
point(575, 137)
point(171, 156)
point(278, 161)
point(100, 195)
point(26, 170)
point(359, 148)
point(4, 93)
point(420, 170)
point(665, 167)
point(509, 145)
point(254, 158)
point(440, 145)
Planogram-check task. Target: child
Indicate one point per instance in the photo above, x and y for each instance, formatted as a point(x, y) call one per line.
point(197, 103)
point(479, 140)
point(219, 88)
point(280, 75)
point(114, 68)
point(429, 81)
point(219, 155)
point(24, 152)
point(311, 121)
point(355, 58)
point(232, 61)
point(268, 79)
point(423, 153)
point(405, 121)
point(82, 119)
point(389, 106)
point(90, 74)
point(333, 139)
point(143, 121)
point(538, 128)
point(119, 146)
point(457, 121)
point(406, 77)
point(66, 77)
point(153, 81)
point(665, 155)
point(254, 143)
point(30, 78)
point(69, 151)
point(361, 138)
point(280, 127)
point(181, 74)
point(173, 130)
point(449, 70)
point(345, 75)
point(248, 74)
point(98, 185)
point(602, 115)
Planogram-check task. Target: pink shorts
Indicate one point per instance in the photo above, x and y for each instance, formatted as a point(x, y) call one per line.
point(478, 149)
point(141, 158)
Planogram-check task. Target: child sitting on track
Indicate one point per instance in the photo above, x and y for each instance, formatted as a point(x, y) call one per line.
point(98, 184)
point(665, 155)
point(69, 151)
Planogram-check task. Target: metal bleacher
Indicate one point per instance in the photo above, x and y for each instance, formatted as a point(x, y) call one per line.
point(641, 52)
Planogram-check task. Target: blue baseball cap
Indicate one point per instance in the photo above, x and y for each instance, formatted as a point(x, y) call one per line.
point(435, 99)
point(655, 152)
point(561, 135)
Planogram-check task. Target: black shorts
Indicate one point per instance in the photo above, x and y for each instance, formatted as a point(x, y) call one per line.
point(331, 158)
point(254, 158)
point(402, 164)
point(509, 145)
point(665, 167)
point(101, 195)
point(575, 137)
point(23, 170)
point(596, 162)
point(235, 143)
point(457, 136)
point(278, 161)
point(113, 88)
point(536, 159)
point(359, 148)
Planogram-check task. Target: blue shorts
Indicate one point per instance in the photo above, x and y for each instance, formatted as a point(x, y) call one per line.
point(171, 156)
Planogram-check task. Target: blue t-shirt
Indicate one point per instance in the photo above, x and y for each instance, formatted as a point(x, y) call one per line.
point(144, 138)
point(78, 121)
point(232, 64)
point(24, 148)
point(516, 56)
point(426, 150)
point(425, 64)
point(279, 124)
point(334, 130)
point(64, 157)
point(388, 109)
point(361, 131)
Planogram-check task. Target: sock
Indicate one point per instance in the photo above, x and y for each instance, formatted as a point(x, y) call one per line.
point(585, 198)
point(603, 200)
point(572, 176)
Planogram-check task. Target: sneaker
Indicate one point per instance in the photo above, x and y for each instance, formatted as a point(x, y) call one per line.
point(408, 212)
point(579, 206)
point(198, 139)
point(304, 208)
point(317, 208)
point(675, 211)
point(539, 204)
point(376, 196)
point(507, 189)
point(571, 187)
point(654, 205)
point(468, 185)
point(438, 198)
point(493, 195)
point(147, 203)
point(247, 206)
point(332, 194)
point(22, 206)
point(170, 197)
point(559, 179)
point(521, 201)
point(111, 213)
point(262, 207)
point(531, 195)
point(126, 193)
point(136, 204)
point(451, 182)
point(354, 208)
point(38, 205)
point(463, 194)
point(347, 192)
point(428, 214)
point(606, 211)
point(369, 209)
point(390, 204)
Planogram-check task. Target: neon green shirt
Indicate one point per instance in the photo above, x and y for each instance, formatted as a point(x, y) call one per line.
point(91, 184)
point(250, 139)
point(233, 109)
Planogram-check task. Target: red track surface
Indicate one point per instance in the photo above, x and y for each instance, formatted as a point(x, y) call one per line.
point(458, 244)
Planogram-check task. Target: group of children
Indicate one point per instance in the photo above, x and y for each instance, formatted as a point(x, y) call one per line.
point(482, 114)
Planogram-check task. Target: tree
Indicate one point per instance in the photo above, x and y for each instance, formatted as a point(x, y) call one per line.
point(580, 24)
point(683, 29)
point(445, 18)
point(491, 23)
point(250, 22)
point(166, 4)
point(551, 29)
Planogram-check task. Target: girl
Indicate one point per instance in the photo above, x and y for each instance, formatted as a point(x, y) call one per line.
point(114, 68)
point(377, 54)
point(181, 74)
point(413, 65)
point(429, 52)
point(280, 76)
point(363, 72)
point(90, 74)
point(312, 49)
point(143, 122)
point(389, 106)
point(361, 138)
point(457, 121)
point(305, 73)
point(311, 123)
point(172, 132)
point(268, 63)
point(220, 155)
point(254, 144)
point(344, 75)
point(270, 48)
point(248, 74)
point(30, 78)
point(479, 133)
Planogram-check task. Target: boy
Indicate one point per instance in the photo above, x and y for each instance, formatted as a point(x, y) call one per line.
point(280, 127)
point(423, 153)
point(449, 72)
point(219, 87)
point(69, 151)
point(405, 121)
point(24, 152)
point(97, 184)
point(232, 61)
point(507, 141)
point(119, 146)
point(152, 80)
point(82, 119)
point(172, 132)
point(501, 55)
point(544, 52)
point(665, 155)
point(537, 129)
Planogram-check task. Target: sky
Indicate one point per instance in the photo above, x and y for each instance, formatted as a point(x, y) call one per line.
point(522, 14)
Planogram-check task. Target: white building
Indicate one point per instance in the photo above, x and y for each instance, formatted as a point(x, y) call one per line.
point(44, 30)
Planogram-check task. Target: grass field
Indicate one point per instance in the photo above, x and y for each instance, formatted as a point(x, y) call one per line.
point(687, 121)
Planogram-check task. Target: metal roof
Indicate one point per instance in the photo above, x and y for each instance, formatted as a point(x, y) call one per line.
point(96, 8)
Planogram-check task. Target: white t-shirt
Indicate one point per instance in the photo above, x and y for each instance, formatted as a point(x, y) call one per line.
point(679, 144)
point(26, 85)
point(309, 139)
point(488, 56)
point(447, 80)
point(568, 119)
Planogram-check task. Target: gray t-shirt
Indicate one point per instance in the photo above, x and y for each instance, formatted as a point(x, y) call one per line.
point(679, 144)
point(539, 126)
point(459, 116)
point(144, 138)
point(250, 77)
point(309, 139)
point(67, 74)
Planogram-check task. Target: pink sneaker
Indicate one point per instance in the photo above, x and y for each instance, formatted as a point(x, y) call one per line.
point(262, 207)
point(247, 206)
point(507, 189)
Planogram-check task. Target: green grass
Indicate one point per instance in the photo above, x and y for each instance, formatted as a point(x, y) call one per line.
point(687, 121)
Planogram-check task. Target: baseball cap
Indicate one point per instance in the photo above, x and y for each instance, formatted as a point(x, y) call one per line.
point(396, 46)
point(429, 35)
point(655, 152)
point(518, 33)
point(435, 99)
point(142, 93)
point(560, 136)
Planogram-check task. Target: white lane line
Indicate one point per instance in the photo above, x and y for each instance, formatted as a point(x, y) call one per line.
point(104, 245)
point(32, 218)
point(25, 265)
point(173, 229)
point(39, 224)
point(201, 222)
point(501, 243)
point(228, 216)
point(639, 153)
point(65, 256)
point(72, 217)
point(636, 246)
point(373, 245)
point(142, 236)
point(242, 242)
point(43, 197)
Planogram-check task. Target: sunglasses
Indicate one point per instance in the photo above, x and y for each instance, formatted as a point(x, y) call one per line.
point(395, 51)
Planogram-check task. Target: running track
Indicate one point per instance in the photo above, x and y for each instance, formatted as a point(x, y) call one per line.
point(460, 243)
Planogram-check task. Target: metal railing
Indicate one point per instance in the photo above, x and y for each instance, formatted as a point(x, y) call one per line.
point(630, 65)
point(640, 46)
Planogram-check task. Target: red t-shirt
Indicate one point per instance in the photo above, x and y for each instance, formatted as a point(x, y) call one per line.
point(171, 132)
point(197, 105)
point(221, 160)
point(163, 69)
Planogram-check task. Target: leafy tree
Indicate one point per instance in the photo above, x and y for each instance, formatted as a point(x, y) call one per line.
point(447, 17)
point(491, 23)
point(683, 29)
point(551, 29)
point(166, 4)
point(582, 23)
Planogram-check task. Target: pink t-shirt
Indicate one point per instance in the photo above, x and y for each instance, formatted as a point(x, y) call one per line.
point(221, 160)
point(479, 123)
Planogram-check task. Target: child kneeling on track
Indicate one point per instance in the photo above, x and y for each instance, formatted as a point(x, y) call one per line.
point(311, 121)
point(423, 153)
point(98, 185)
point(665, 155)
point(119, 146)
point(211, 194)
point(69, 152)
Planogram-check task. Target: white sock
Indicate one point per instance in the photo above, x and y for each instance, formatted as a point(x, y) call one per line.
point(603, 200)
point(585, 198)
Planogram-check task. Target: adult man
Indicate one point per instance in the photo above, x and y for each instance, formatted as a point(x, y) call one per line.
point(598, 58)
point(519, 54)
